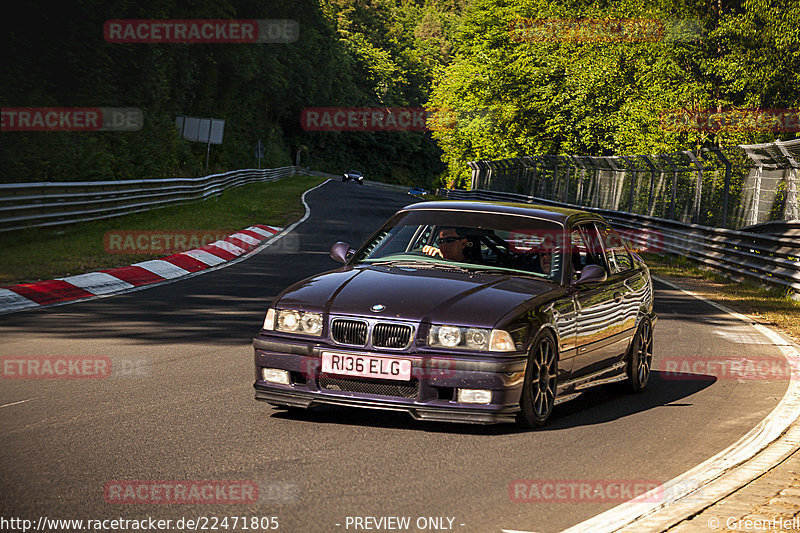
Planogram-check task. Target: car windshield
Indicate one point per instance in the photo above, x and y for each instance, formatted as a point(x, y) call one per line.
point(487, 242)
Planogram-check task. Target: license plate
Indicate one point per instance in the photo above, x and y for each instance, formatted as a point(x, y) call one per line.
point(366, 366)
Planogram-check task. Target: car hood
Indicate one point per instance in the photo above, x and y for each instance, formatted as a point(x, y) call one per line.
point(414, 294)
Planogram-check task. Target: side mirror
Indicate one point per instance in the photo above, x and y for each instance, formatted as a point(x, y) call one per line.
point(592, 275)
point(341, 251)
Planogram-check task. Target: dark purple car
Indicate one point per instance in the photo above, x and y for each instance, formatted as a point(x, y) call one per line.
point(464, 312)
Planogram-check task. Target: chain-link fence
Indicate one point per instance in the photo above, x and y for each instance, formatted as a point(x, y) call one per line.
point(731, 187)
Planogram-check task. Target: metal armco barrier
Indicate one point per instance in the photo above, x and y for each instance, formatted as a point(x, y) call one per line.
point(36, 205)
point(768, 258)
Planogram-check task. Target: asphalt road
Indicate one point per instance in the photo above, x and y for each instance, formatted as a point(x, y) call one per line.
point(186, 411)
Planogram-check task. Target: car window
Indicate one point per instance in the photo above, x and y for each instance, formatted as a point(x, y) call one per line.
point(617, 256)
point(484, 242)
point(586, 248)
point(388, 242)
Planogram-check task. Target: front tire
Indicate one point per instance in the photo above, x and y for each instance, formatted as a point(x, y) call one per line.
point(641, 357)
point(539, 391)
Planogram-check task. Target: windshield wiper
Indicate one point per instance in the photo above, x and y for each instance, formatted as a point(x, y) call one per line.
point(409, 263)
point(501, 271)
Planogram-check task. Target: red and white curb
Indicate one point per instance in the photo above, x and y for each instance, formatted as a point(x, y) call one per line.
point(115, 280)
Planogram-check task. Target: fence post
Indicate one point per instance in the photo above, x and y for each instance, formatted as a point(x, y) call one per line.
point(698, 186)
point(755, 205)
point(581, 179)
point(534, 175)
point(790, 207)
point(650, 198)
point(473, 166)
point(634, 182)
point(726, 191)
point(674, 167)
point(616, 192)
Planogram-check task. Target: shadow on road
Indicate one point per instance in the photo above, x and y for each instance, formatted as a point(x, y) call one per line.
point(595, 406)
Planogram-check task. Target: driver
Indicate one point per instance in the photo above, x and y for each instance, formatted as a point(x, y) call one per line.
point(452, 244)
point(545, 259)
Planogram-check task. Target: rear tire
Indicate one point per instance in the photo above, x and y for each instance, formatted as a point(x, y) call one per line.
point(539, 390)
point(641, 357)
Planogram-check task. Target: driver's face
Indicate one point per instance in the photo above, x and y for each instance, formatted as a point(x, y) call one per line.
point(451, 245)
point(545, 260)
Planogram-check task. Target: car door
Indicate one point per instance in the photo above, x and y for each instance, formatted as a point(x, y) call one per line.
point(600, 316)
point(628, 285)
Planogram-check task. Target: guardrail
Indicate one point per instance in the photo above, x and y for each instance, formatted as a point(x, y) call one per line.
point(771, 259)
point(28, 205)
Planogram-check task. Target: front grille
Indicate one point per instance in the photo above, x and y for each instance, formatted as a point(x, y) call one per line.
point(379, 387)
point(353, 332)
point(385, 335)
point(371, 333)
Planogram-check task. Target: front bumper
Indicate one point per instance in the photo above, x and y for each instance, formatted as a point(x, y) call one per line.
point(431, 394)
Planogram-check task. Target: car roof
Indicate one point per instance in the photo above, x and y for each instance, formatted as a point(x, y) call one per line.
point(561, 215)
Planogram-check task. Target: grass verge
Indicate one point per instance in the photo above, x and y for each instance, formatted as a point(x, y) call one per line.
point(769, 306)
point(40, 253)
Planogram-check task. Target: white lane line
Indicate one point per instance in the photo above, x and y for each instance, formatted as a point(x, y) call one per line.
point(21, 401)
point(204, 257)
point(165, 269)
point(98, 283)
point(11, 301)
point(722, 474)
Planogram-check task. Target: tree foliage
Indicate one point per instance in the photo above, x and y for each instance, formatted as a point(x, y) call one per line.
point(602, 97)
point(493, 92)
point(349, 53)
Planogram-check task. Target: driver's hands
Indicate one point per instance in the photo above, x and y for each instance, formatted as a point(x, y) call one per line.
point(431, 250)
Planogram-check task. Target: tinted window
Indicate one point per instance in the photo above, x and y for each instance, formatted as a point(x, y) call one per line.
point(617, 256)
point(485, 241)
point(585, 246)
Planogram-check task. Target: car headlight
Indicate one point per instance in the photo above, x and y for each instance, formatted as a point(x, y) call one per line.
point(269, 320)
point(479, 339)
point(294, 322)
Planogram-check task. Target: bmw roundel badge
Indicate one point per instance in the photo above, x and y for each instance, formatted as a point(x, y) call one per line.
point(378, 308)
